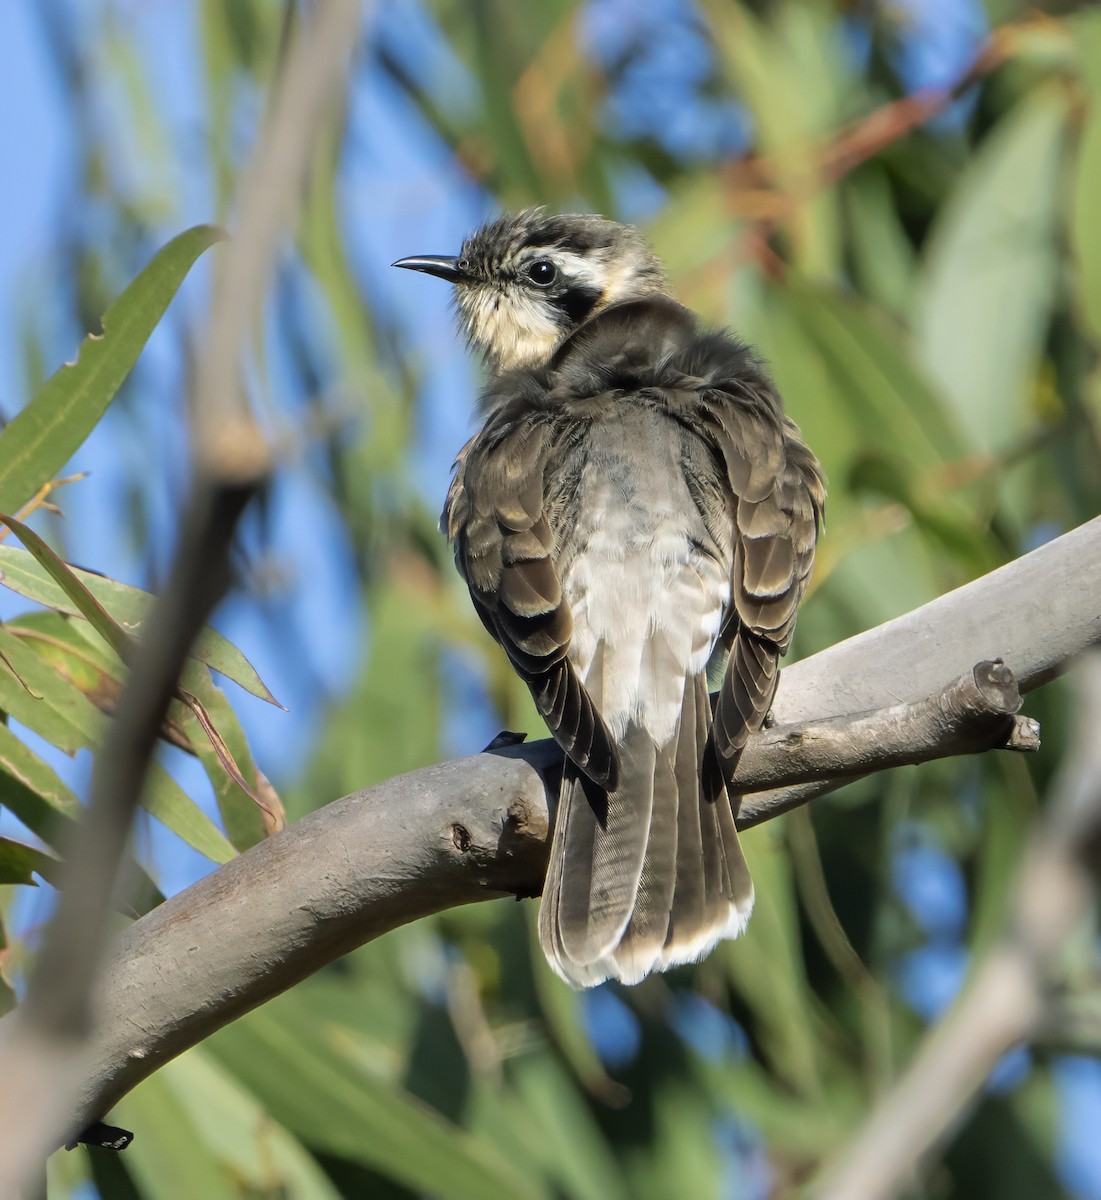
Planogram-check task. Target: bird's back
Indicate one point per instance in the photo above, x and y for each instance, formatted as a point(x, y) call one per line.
point(645, 579)
point(636, 447)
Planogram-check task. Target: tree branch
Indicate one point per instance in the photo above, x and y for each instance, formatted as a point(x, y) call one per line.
point(972, 714)
point(1009, 995)
point(477, 828)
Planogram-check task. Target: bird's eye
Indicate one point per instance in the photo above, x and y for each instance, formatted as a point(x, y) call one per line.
point(542, 272)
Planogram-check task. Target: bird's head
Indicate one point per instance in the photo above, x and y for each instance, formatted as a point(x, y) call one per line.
point(526, 280)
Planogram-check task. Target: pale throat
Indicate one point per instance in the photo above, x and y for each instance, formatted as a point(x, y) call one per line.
point(513, 331)
point(517, 328)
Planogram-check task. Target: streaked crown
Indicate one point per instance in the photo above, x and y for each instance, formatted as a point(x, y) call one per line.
point(525, 280)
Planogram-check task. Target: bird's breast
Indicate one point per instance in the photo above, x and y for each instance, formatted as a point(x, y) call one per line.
point(646, 583)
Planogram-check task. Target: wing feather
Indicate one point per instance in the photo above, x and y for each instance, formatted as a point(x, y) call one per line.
point(779, 497)
point(496, 518)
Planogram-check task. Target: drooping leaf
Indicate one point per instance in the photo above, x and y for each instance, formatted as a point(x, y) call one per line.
point(273, 817)
point(66, 578)
point(164, 799)
point(43, 700)
point(45, 434)
point(168, 1159)
point(571, 1148)
point(768, 969)
point(83, 660)
point(123, 644)
point(239, 1131)
point(67, 645)
point(887, 396)
point(130, 607)
point(244, 822)
point(31, 789)
point(66, 717)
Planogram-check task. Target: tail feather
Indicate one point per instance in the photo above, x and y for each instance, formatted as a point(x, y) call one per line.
point(649, 875)
point(603, 849)
point(646, 933)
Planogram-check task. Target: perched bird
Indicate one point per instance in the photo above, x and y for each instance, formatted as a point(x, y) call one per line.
point(635, 510)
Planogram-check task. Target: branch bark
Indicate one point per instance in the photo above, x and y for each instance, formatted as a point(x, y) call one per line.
point(477, 828)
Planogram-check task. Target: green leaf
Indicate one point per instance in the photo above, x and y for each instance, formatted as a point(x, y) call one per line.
point(240, 814)
point(238, 1131)
point(767, 966)
point(45, 435)
point(63, 575)
point(893, 405)
point(67, 645)
point(31, 789)
point(310, 1087)
point(883, 257)
point(130, 607)
point(572, 1148)
point(164, 799)
point(168, 1159)
point(60, 641)
point(68, 718)
point(18, 862)
point(53, 707)
point(990, 271)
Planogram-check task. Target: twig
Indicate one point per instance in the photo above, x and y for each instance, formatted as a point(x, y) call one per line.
point(974, 713)
point(1007, 999)
point(41, 499)
point(310, 79)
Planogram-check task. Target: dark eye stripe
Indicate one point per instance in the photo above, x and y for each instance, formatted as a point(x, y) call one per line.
point(576, 302)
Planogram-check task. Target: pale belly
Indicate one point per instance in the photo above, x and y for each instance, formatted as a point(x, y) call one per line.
point(646, 584)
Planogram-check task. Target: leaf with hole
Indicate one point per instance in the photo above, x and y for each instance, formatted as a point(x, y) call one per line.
point(42, 438)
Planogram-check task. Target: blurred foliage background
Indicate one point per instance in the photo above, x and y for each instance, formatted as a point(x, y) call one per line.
point(898, 202)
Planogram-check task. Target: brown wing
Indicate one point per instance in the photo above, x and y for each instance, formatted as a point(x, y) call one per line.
point(779, 496)
point(495, 518)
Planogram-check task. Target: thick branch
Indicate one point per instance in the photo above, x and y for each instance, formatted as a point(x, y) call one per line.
point(476, 828)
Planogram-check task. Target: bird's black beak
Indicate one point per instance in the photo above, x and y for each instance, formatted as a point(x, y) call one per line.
point(434, 264)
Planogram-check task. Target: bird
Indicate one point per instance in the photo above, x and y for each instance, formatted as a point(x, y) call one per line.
point(636, 515)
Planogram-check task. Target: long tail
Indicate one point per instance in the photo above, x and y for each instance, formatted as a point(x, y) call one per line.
point(649, 875)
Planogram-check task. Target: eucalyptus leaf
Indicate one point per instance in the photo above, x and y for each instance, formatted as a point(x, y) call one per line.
point(45, 434)
point(988, 276)
point(307, 1084)
point(129, 607)
point(19, 863)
